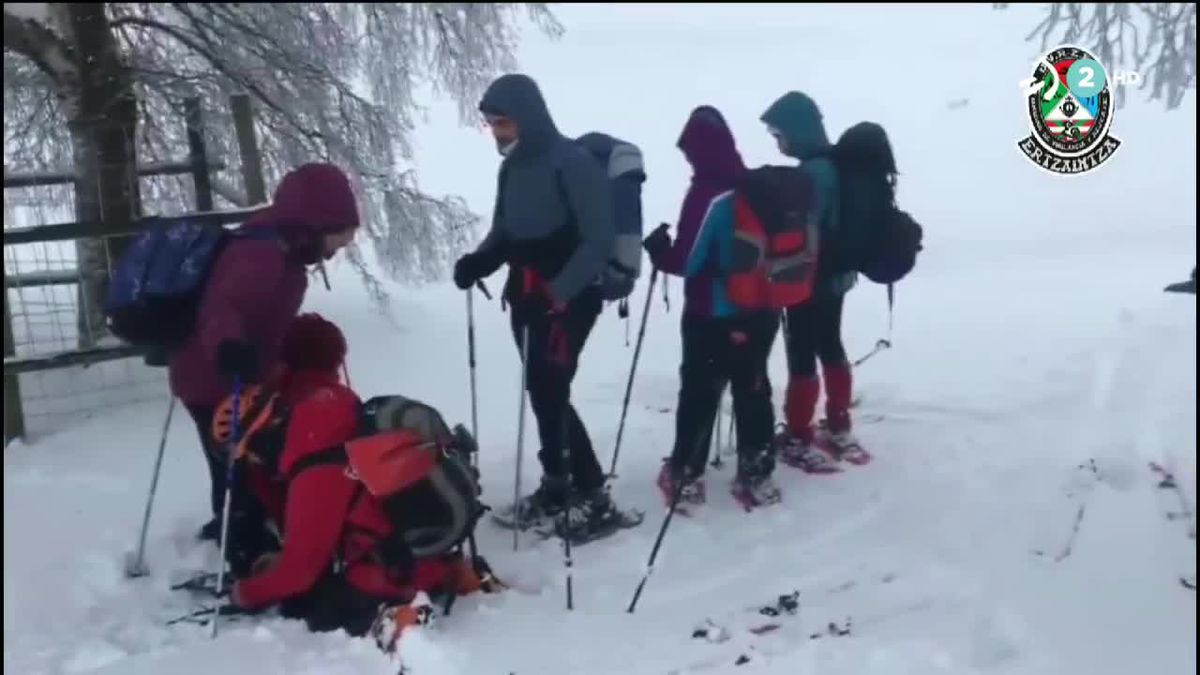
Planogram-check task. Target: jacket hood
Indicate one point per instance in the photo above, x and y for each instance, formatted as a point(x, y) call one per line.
point(708, 145)
point(313, 344)
point(598, 143)
point(798, 119)
point(518, 97)
point(312, 199)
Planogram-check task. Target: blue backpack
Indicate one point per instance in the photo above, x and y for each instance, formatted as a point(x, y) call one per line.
point(156, 286)
point(622, 162)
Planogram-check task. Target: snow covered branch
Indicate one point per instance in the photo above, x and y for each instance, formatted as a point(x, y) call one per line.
point(1158, 40)
point(330, 81)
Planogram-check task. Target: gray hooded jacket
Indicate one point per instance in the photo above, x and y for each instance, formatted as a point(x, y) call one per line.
point(553, 209)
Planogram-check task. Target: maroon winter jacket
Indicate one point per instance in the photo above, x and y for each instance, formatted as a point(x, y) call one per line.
point(708, 145)
point(257, 284)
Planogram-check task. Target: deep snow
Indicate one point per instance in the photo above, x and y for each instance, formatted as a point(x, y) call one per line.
point(1032, 338)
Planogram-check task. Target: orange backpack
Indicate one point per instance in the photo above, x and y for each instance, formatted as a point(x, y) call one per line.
point(418, 468)
point(775, 243)
point(405, 456)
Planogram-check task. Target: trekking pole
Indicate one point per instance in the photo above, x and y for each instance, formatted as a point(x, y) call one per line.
point(568, 560)
point(520, 434)
point(637, 350)
point(471, 366)
point(662, 533)
point(136, 566)
point(472, 548)
point(716, 439)
point(731, 443)
point(235, 439)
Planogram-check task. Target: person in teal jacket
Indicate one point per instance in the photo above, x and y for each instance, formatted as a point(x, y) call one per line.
point(813, 329)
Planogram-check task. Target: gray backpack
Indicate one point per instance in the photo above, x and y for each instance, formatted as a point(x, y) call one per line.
point(626, 173)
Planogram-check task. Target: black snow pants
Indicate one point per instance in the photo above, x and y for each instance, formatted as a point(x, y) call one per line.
point(717, 352)
point(249, 536)
point(555, 343)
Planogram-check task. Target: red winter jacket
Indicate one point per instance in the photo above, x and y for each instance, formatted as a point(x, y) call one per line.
point(257, 284)
point(322, 516)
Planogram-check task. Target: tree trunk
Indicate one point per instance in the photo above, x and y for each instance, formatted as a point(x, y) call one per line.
point(102, 123)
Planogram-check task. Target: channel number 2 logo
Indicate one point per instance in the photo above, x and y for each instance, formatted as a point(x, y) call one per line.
point(1070, 111)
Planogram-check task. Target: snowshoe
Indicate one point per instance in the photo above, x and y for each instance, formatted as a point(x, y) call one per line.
point(842, 445)
point(536, 511)
point(691, 493)
point(591, 517)
point(203, 616)
point(800, 454)
point(753, 492)
point(204, 583)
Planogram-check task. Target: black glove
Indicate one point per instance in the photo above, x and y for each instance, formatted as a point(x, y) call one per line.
point(657, 243)
point(238, 359)
point(468, 270)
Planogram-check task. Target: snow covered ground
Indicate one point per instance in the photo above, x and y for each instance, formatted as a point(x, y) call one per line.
point(1033, 339)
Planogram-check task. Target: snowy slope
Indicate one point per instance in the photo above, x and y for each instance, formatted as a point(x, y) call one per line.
point(1032, 338)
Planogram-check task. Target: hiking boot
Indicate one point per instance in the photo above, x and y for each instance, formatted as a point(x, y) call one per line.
point(842, 445)
point(210, 531)
point(691, 492)
point(593, 515)
point(538, 510)
point(801, 454)
point(753, 487)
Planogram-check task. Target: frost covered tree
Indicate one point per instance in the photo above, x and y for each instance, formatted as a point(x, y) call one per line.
point(1155, 39)
point(99, 87)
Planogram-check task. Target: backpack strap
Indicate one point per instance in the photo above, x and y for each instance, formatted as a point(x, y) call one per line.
point(256, 233)
point(891, 292)
point(574, 222)
point(335, 456)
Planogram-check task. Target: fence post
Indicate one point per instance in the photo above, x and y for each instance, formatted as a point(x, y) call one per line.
point(197, 154)
point(252, 172)
point(14, 416)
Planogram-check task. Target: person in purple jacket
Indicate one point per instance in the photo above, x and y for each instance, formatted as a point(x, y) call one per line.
point(719, 346)
point(253, 293)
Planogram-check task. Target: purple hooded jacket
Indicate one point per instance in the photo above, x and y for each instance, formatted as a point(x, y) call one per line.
point(257, 284)
point(708, 145)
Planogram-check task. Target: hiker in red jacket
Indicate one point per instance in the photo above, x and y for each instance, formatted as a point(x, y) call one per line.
point(254, 291)
point(328, 571)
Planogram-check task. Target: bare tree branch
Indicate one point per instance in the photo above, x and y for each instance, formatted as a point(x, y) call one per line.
point(39, 44)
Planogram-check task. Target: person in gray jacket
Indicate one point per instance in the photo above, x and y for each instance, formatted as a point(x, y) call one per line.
point(553, 226)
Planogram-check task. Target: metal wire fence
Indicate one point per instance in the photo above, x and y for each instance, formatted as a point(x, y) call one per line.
point(60, 364)
point(43, 305)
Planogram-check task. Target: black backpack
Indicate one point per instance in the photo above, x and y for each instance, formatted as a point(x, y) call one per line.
point(874, 236)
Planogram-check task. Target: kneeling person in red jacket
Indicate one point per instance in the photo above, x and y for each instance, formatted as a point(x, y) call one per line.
point(329, 572)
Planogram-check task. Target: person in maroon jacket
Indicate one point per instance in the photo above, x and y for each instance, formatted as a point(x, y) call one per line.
point(327, 572)
point(720, 348)
point(254, 291)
